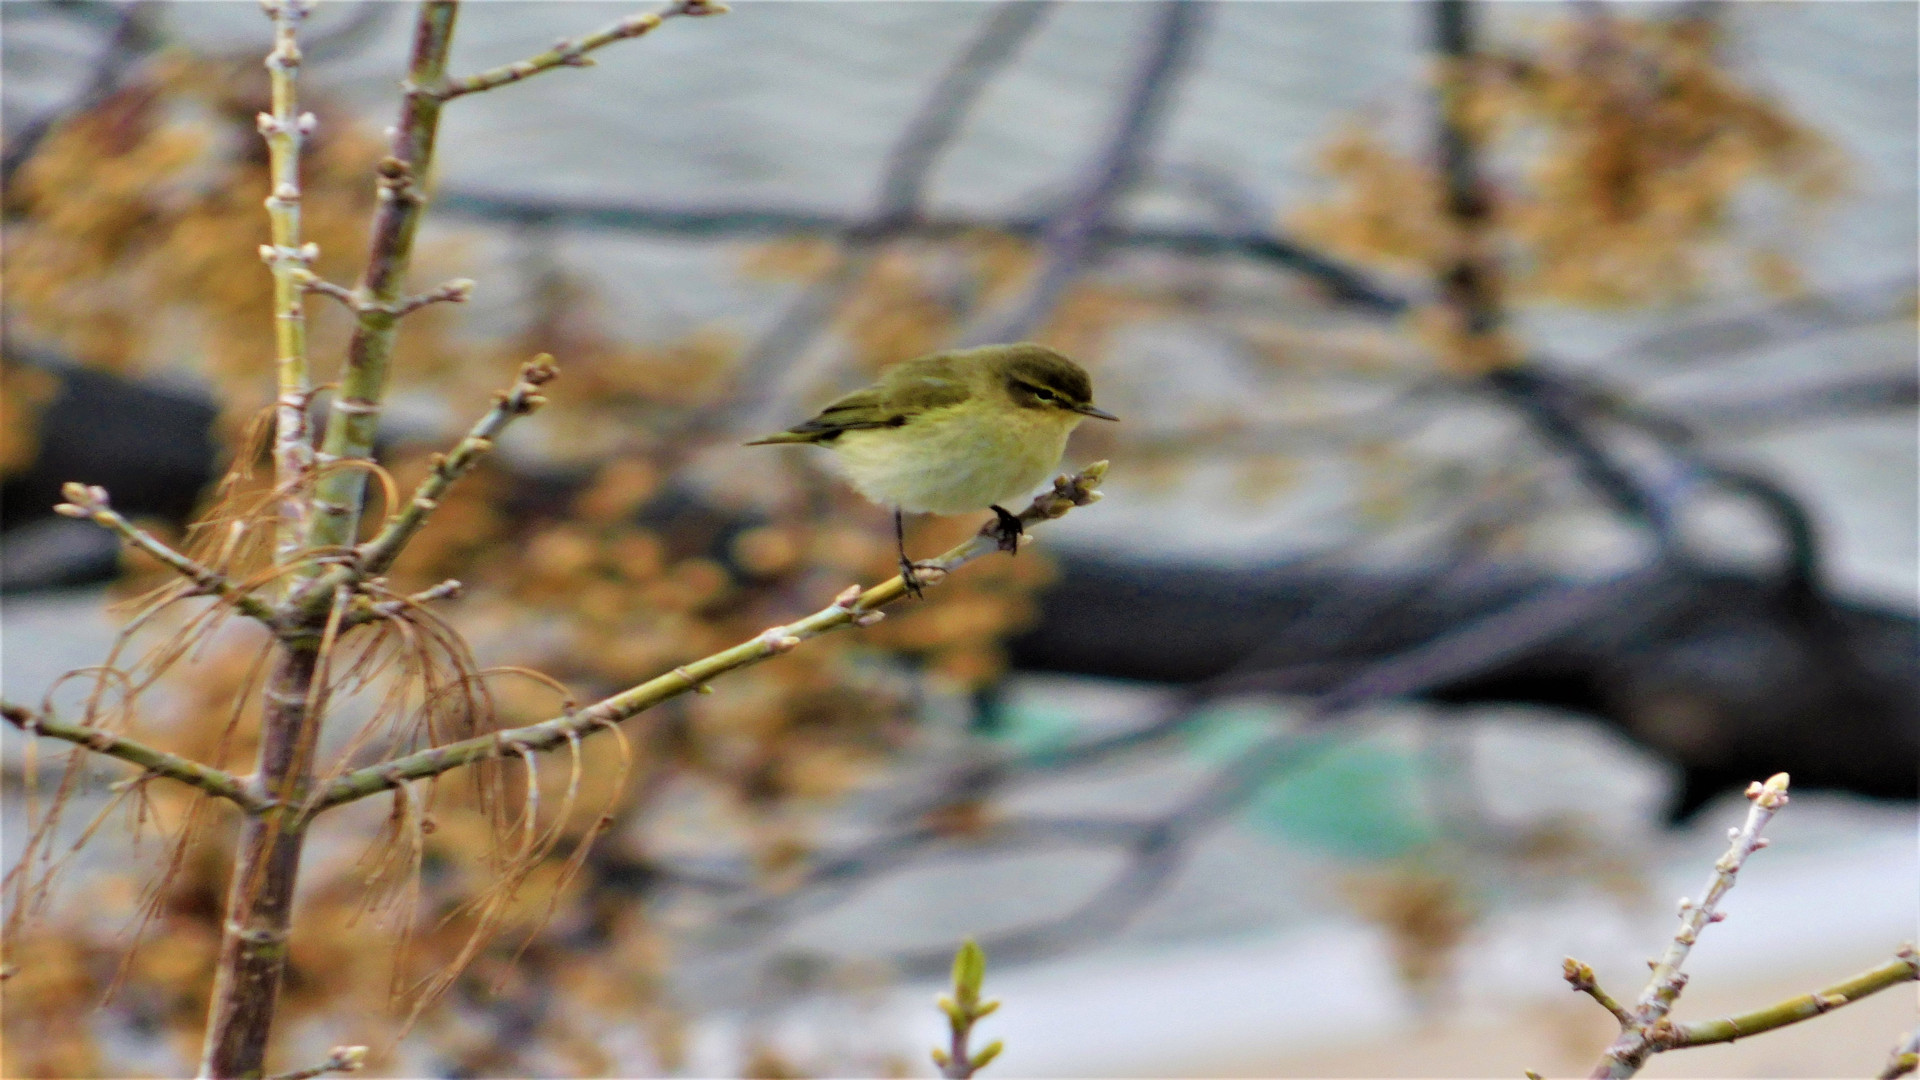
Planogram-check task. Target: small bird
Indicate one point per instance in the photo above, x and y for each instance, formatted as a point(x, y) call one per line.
point(954, 432)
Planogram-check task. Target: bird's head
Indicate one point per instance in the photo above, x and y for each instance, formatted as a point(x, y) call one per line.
point(1036, 377)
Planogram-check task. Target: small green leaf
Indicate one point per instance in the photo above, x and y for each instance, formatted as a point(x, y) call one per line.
point(988, 1053)
point(985, 1008)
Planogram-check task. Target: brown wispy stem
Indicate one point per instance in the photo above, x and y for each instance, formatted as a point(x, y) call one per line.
point(851, 608)
point(284, 130)
point(216, 782)
point(1646, 1025)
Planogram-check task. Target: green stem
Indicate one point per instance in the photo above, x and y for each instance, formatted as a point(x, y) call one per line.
point(355, 416)
point(852, 608)
point(1903, 968)
point(91, 504)
point(378, 553)
point(216, 782)
point(284, 130)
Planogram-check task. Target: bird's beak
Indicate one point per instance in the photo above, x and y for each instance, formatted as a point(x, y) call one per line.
point(1097, 414)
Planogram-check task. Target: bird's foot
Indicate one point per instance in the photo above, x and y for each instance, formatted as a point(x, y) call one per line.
point(1005, 529)
point(912, 576)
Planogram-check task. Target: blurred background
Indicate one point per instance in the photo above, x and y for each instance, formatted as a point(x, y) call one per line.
point(1501, 486)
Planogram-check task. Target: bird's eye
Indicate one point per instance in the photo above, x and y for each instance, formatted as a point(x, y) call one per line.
point(1040, 392)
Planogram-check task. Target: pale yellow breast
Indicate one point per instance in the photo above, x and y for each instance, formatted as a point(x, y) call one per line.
point(956, 460)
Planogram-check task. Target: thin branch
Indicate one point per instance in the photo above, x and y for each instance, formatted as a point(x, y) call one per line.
point(572, 52)
point(90, 503)
point(285, 129)
point(850, 608)
point(1904, 1059)
point(1905, 967)
point(216, 782)
point(1073, 237)
point(1640, 1039)
point(314, 283)
point(1580, 976)
point(1469, 280)
point(457, 291)
point(374, 556)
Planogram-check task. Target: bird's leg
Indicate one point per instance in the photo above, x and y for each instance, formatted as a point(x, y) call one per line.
point(1005, 530)
point(907, 576)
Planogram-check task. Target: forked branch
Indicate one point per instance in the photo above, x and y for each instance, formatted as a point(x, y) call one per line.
point(851, 608)
point(1645, 1029)
point(1639, 1038)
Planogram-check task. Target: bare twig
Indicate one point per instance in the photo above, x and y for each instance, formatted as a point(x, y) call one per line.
point(343, 1059)
point(851, 608)
point(316, 284)
point(1904, 967)
point(457, 291)
point(1647, 1027)
point(1073, 237)
point(90, 503)
point(216, 782)
point(964, 1008)
point(285, 129)
point(1581, 978)
point(377, 554)
point(572, 52)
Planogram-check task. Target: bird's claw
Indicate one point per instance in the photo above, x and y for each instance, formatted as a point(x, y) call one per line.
point(1005, 530)
point(912, 576)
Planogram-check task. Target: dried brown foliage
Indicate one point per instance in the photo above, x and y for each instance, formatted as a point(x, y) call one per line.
point(1629, 153)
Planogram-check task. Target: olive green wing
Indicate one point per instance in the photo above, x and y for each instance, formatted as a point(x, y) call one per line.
point(903, 392)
